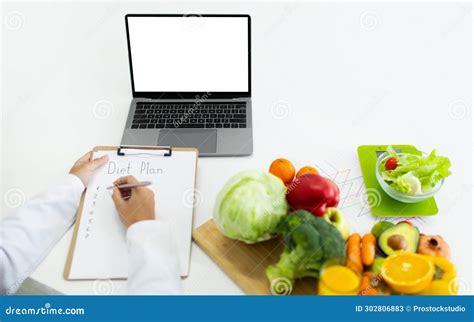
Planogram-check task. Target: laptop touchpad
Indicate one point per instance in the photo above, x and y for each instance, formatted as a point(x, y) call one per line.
point(204, 140)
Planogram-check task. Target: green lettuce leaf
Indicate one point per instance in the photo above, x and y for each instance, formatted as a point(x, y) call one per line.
point(413, 172)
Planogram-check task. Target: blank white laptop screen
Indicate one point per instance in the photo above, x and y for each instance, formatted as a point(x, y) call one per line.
point(189, 54)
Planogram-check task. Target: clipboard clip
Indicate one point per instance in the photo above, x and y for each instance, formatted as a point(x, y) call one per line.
point(165, 151)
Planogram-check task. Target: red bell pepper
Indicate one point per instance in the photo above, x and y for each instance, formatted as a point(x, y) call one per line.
point(313, 193)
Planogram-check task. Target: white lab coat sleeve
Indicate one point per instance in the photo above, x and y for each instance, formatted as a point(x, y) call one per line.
point(28, 235)
point(153, 265)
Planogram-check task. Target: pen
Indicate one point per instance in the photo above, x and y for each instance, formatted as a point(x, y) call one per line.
point(131, 185)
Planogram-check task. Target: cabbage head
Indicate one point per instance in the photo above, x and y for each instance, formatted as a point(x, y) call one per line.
point(250, 206)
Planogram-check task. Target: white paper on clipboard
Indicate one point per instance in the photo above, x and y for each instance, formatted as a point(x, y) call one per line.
point(100, 250)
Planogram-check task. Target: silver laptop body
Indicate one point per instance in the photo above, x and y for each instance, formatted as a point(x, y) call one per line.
point(191, 82)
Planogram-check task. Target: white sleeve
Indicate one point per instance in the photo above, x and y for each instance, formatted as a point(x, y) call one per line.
point(28, 235)
point(153, 266)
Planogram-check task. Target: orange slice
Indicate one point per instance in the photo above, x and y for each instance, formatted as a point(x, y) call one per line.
point(408, 273)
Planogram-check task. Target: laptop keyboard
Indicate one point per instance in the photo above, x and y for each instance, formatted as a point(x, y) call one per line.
point(189, 115)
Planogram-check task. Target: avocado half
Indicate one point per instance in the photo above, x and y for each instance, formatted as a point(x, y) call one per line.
point(401, 237)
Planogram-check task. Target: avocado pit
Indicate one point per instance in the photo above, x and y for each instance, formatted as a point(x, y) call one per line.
point(397, 242)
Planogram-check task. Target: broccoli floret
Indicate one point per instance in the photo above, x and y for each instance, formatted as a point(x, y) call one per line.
point(309, 242)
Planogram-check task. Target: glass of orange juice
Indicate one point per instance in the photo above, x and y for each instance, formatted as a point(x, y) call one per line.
point(337, 279)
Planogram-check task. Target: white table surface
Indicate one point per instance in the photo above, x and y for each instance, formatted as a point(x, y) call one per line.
point(326, 78)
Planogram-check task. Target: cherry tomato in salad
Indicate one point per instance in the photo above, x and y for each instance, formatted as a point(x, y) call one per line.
point(391, 163)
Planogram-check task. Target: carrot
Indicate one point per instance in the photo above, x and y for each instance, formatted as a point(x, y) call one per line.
point(368, 249)
point(366, 287)
point(354, 260)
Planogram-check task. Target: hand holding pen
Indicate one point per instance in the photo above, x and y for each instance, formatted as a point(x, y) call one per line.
point(134, 202)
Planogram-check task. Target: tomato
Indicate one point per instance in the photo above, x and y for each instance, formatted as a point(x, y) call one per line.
point(391, 163)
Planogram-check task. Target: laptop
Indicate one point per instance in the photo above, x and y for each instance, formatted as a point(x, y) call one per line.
point(191, 82)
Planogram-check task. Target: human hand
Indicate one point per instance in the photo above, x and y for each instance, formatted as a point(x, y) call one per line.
point(133, 204)
point(84, 167)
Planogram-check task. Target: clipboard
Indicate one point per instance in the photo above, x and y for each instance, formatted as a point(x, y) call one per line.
point(128, 150)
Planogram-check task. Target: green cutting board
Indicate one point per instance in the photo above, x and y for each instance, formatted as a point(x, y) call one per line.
point(381, 204)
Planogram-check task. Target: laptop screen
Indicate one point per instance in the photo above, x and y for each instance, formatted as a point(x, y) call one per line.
point(189, 53)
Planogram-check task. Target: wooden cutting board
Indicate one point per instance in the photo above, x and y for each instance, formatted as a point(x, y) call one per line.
point(245, 264)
